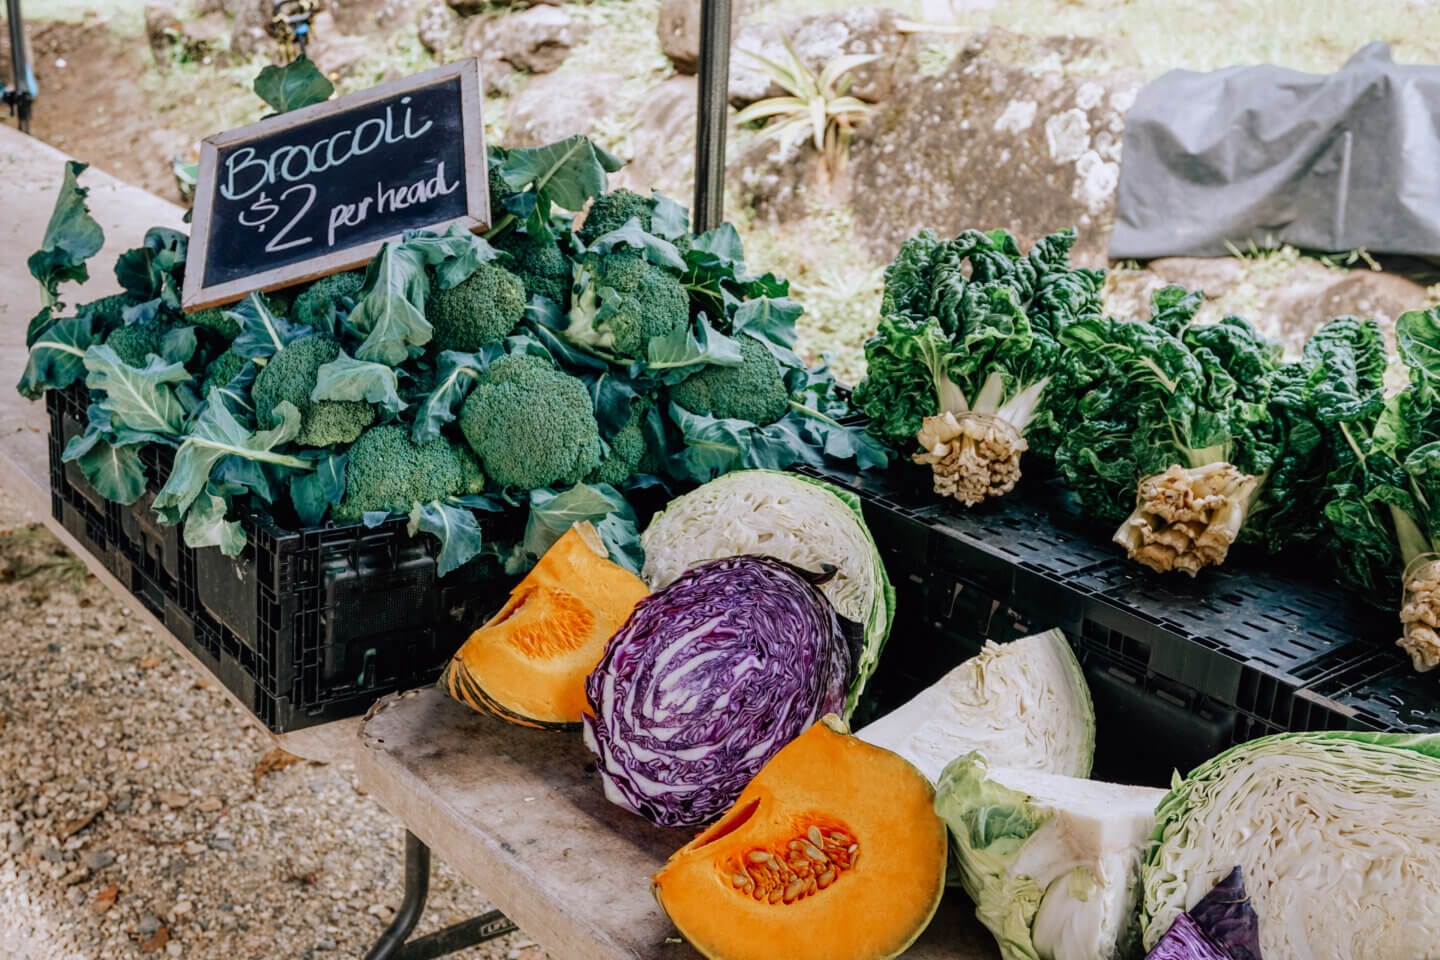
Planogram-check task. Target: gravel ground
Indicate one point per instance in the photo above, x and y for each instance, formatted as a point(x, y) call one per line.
point(139, 814)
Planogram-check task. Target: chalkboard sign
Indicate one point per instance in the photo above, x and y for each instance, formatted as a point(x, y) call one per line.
point(318, 190)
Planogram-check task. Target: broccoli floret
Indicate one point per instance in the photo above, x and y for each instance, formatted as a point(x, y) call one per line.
point(136, 341)
point(754, 390)
point(316, 304)
point(107, 312)
point(485, 307)
point(645, 301)
point(388, 471)
point(214, 318)
point(290, 375)
point(530, 424)
point(627, 449)
point(613, 210)
point(222, 370)
point(500, 191)
point(541, 266)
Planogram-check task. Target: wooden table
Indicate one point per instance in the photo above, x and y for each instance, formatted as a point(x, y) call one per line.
point(520, 814)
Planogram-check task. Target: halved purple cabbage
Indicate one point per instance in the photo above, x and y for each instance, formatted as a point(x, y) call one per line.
point(707, 680)
point(1222, 926)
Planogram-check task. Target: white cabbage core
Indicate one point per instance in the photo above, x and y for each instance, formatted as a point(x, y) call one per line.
point(1339, 841)
point(1022, 704)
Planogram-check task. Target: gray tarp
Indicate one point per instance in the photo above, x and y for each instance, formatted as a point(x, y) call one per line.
point(1266, 155)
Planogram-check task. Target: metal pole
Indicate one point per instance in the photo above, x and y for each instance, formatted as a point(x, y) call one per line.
point(25, 92)
point(714, 101)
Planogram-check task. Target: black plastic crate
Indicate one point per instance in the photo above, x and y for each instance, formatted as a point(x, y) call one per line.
point(305, 626)
point(1199, 664)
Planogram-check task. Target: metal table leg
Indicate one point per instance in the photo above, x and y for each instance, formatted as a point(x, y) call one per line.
point(392, 944)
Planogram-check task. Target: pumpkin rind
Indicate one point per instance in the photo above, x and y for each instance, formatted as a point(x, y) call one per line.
point(527, 664)
point(833, 852)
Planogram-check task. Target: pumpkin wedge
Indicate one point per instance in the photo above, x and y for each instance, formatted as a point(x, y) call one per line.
point(833, 852)
point(528, 663)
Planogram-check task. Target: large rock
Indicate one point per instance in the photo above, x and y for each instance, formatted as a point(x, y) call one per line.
point(554, 107)
point(679, 28)
point(440, 29)
point(818, 40)
point(372, 17)
point(536, 40)
point(662, 143)
point(990, 144)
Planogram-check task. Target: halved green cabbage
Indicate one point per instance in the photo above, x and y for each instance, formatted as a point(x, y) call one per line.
point(1052, 863)
point(1022, 704)
point(804, 522)
point(1338, 835)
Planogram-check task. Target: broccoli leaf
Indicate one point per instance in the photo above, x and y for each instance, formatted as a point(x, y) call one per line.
point(148, 271)
point(771, 320)
point(564, 174)
point(57, 358)
point(262, 334)
point(346, 378)
point(454, 526)
point(712, 445)
point(838, 441)
point(236, 393)
point(206, 526)
point(216, 434)
point(178, 345)
point(390, 313)
point(554, 512)
point(632, 234)
point(455, 254)
point(111, 464)
point(316, 491)
point(455, 374)
point(140, 399)
point(297, 84)
point(71, 237)
point(669, 219)
point(679, 353)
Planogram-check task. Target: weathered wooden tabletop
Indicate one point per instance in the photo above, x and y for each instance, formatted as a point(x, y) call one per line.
point(30, 175)
point(520, 814)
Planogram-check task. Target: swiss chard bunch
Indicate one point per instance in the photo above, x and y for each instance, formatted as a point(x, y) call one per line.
point(1205, 431)
point(965, 350)
point(1383, 502)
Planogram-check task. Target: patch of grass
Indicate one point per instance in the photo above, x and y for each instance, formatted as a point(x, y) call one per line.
point(838, 284)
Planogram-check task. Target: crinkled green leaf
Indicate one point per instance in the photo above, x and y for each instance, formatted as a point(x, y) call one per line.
point(565, 174)
point(455, 254)
point(681, 352)
point(657, 250)
point(206, 526)
point(669, 219)
point(178, 345)
point(57, 358)
point(111, 464)
point(148, 272)
point(346, 378)
point(554, 512)
point(455, 527)
point(71, 237)
point(297, 84)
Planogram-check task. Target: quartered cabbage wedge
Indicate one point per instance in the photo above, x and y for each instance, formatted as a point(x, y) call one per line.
point(1338, 835)
point(1052, 863)
point(1022, 704)
point(803, 522)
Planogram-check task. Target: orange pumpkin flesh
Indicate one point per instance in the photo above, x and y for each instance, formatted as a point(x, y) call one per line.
point(528, 663)
point(833, 852)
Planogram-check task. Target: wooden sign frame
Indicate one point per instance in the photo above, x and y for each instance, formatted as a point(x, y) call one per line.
point(197, 295)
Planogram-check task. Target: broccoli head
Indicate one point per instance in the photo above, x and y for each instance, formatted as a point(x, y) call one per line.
point(134, 342)
point(222, 370)
point(628, 449)
point(214, 318)
point(387, 471)
point(754, 390)
point(541, 266)
point(486, 306)
point(613, 210)
point(315, 306)
point(623, 301)
point(530, 424)
point(290, 375)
